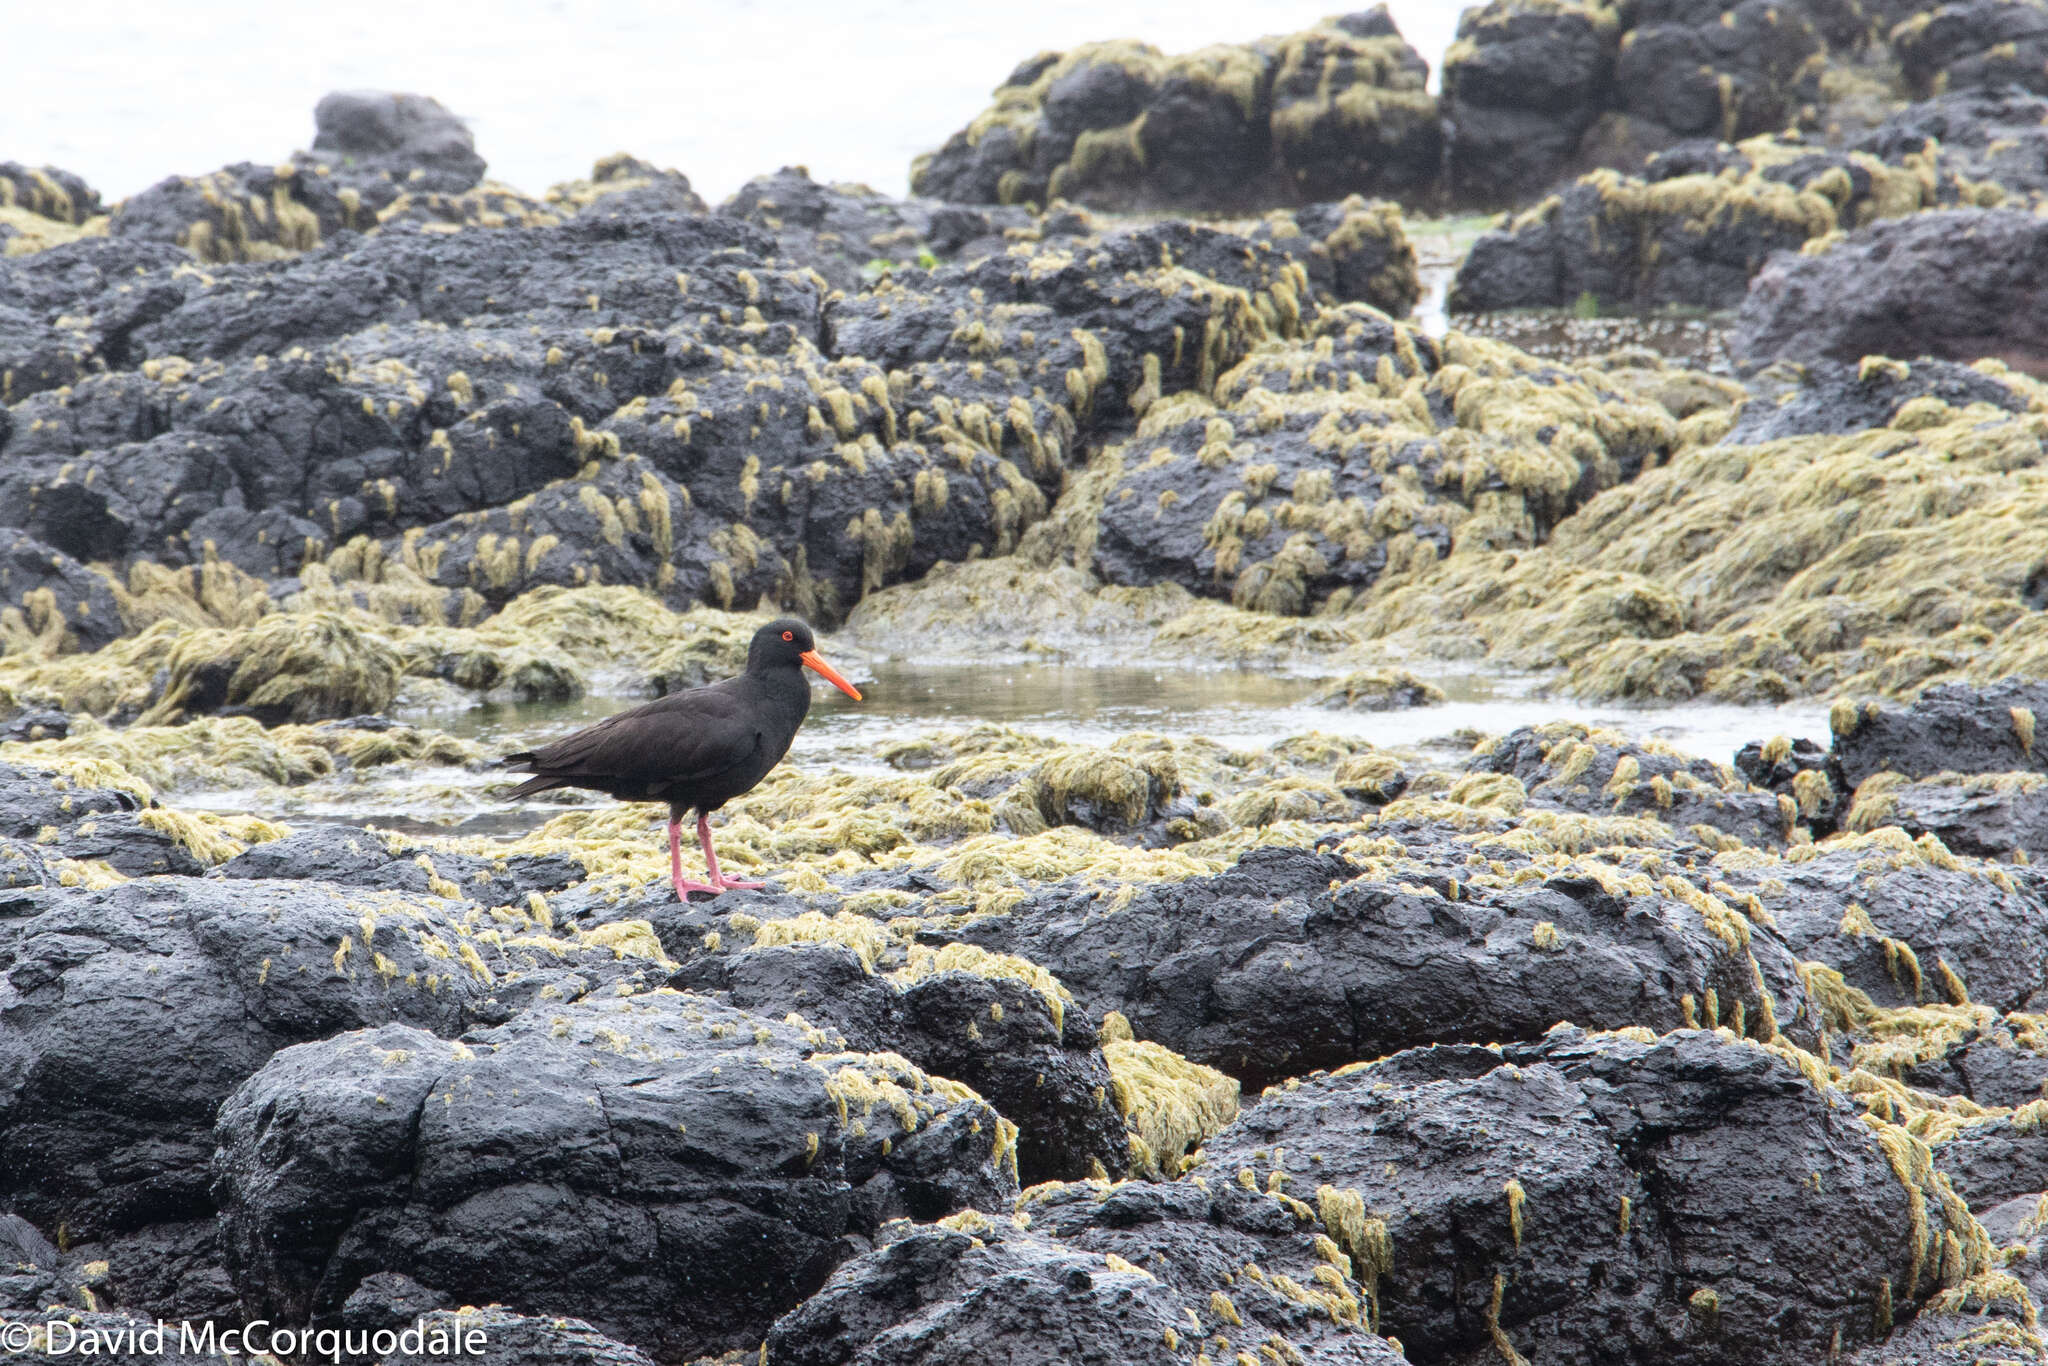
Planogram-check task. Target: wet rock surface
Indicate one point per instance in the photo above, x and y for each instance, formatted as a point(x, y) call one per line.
point(1128, 1274)
point(1498, 1183)
point(1339, 967)
point(324, 480)
point(1032, 1055)
point(672, 1145)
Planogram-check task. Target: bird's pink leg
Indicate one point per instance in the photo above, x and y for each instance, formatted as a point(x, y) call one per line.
point(675, 865)
point(718, 879)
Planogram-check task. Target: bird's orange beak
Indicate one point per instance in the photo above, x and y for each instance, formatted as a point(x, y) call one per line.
point(829, 674)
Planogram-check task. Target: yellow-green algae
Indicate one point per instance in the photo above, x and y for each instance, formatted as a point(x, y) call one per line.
point(319, 654)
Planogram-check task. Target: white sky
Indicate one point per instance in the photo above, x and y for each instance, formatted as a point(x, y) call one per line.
point(126, 93)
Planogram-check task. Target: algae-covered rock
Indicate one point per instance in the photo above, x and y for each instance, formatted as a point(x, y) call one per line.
point(360, 858)
point(842, 231)
point(1997, 1160)
point(1580, 768)
point(47, 337)
point(47, 192)
point(672, 1146)
point(1380, 690)
point(32, 800)
point(1802, 565)
point(1304, 485)
point(1974, 139)
point(1137, 1272)
point(1838, 399)
point(1974, 44)
point(1796, 769)
point(1852, 299)
point(1909, 922)
point(1995, 1062)
point(1530, 1199)
point(21, 865)
point(1332, 110)
point(1726, 71)
point(1995, 816)
point(1522, 84)
point(1268, 970)
point(1355, 251)
point(1003, 1027)
point(54, 603)
point(622, 184)
point(1690, 240)
point(373, 151)
point(1105, 325)
point(284, 668)
point(1949, 728)
point(985, 607)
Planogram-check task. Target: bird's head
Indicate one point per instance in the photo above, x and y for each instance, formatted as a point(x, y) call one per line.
point(788, 644)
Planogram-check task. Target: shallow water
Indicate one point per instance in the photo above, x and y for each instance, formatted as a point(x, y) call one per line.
point(1241, 708)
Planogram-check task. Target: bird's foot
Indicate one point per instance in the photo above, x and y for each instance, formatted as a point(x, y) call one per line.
point(684, 887)
point(733, 884)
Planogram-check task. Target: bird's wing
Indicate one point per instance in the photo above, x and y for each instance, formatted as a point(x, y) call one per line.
point(679, 739)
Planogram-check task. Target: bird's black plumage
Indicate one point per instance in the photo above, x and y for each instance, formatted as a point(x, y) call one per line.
point(694, 750)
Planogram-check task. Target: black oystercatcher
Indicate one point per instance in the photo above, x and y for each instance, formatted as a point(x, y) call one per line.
point(697, 749)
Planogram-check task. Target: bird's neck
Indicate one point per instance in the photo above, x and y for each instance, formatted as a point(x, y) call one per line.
point(788, 689)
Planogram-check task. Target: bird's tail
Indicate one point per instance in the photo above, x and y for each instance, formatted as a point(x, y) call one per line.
point(540, 782)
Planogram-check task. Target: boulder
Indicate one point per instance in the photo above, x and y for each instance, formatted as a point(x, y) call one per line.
point(1337, 109)
point(1949, 728)
point(1134, 1273)
point(846, 231)
point(410, 138)
point(33, 800)
point(1959, 285)
point(1592, 1197)
point(1989, 1064)
point(1996, 1159)
point(21, 863)
point(625, 185)
point(52, 598)
point(47, 192)
point(1974, 44)
point(132, 1012)
point(356, 857)
point(1579, 768)
point(1973, 139)
point(1907, 923)
point(1628, 244)
point(1021, 1045)
point(1304, 483)
point(1522, 85)
point(1355, 251)
point(1796, 770)
point(49, 337)
point(675, 1150)
point(1704, 68)
point(1294, 960)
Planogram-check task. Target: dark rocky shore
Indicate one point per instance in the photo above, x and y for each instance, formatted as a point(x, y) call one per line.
point(1573, 1048)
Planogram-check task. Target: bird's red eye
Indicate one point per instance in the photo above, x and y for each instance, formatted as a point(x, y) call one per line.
point(789, 635)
